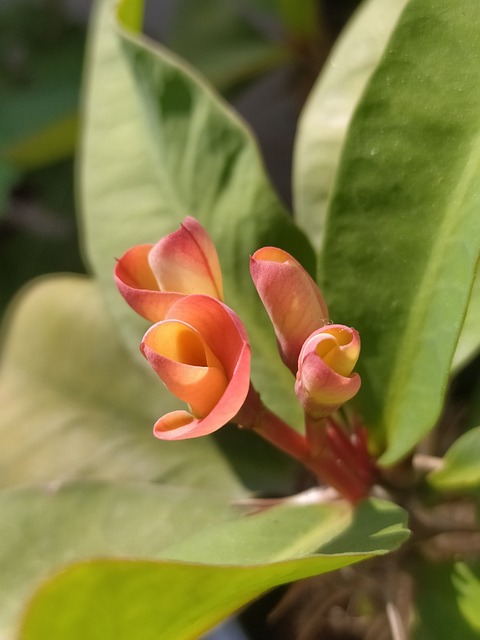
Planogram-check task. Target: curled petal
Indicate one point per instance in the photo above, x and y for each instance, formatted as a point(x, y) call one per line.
point(137, 284)
point(324, 378)
point(201, 353)
point(187, 261)
point(175, 422)
point(186, 364)
point(292, 300)
point(153, 277)
point(133, 268)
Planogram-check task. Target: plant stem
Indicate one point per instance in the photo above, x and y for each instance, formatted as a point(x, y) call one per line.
point(255, 416)
point(334, 457)
point(341, 459)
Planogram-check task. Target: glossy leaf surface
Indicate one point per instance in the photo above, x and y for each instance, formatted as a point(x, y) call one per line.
point(182, 599)
point(403, 234)
point(43, 528)
point(327, 114)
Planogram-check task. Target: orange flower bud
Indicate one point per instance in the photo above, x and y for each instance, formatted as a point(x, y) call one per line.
point(292, 300)
point(324, 378)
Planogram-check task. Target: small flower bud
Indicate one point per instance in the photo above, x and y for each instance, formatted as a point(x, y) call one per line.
point(324, 378)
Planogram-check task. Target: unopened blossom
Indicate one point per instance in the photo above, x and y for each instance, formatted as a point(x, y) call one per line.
point(201, 352)
point(325, 379)
point(292, 300)
point(152, 277)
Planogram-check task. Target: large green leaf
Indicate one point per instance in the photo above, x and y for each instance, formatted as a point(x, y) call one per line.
point(75, 404)
point(158, 144)
point(183, 597)
point(44, 528)
point(402, 237)
point(325, 118)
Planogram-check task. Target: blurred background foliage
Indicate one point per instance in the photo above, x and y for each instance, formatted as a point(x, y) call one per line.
point(41, 54)
point(262, 55)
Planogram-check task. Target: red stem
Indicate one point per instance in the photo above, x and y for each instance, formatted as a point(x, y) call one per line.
point(327, 451)
point(254, 415)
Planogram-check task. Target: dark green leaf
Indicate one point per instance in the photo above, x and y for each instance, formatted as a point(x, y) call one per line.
point(325, 118)
point(402, 238)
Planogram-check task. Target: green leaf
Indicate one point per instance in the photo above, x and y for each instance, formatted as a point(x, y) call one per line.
point(161, 599)
point(461, 464)
point(44, 528)
point(325, 118)
point(402, 242)
point(440, 613)
point(293, 531)
point(166, 147)
point(75, 405)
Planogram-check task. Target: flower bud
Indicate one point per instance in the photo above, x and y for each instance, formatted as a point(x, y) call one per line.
point(324, 378)
point(292, 300)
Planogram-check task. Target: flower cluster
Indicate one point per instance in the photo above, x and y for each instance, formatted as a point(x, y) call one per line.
point(199, 348)
point(321, 355)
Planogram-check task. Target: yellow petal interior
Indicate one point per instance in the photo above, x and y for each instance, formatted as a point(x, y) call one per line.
point(342, 361)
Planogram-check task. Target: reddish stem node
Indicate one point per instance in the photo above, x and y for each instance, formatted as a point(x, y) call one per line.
point(335, 457)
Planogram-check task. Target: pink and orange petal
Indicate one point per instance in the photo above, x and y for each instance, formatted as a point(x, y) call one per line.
point(324, 378)
point(292, 300)
point(153, 277)
point(205, 362)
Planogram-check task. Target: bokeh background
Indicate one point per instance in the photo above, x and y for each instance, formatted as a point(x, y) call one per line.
point(262, 55)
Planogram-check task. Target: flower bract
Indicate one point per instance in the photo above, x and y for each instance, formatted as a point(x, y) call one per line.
point(153, 277)
point(325, 378)
point(201, 352)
